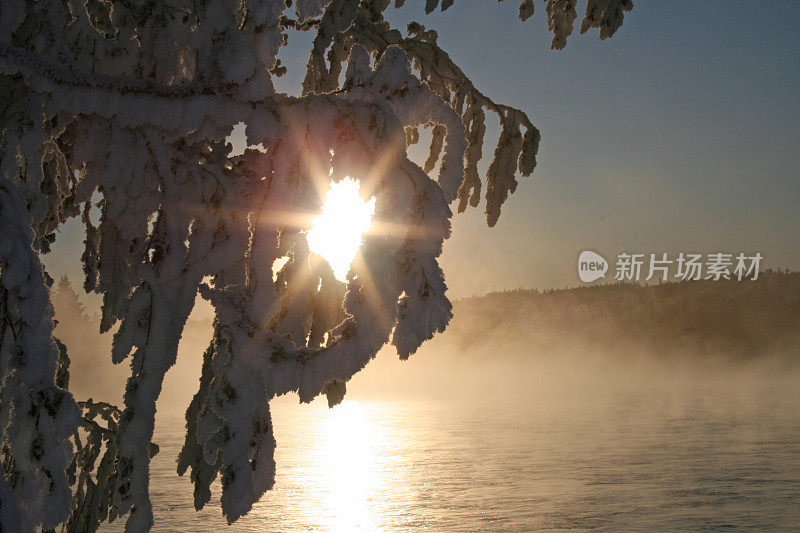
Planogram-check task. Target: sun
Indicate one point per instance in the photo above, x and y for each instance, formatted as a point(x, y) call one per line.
point(336, 233)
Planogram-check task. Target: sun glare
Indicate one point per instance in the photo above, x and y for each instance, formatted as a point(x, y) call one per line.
point(336, 233)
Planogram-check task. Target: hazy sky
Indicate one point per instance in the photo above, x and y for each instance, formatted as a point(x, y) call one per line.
point(681, 133)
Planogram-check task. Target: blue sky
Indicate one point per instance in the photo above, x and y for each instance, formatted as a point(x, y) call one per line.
point(681, 133)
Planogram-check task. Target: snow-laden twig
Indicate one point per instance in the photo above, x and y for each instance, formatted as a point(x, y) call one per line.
point(122, 109)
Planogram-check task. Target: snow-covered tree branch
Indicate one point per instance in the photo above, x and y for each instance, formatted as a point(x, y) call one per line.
point(122, 108)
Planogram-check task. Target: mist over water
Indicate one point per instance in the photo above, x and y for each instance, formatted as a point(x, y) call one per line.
point(560, 457)
point(493, 426)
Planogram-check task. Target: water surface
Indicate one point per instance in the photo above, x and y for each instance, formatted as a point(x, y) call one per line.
point(688, 458)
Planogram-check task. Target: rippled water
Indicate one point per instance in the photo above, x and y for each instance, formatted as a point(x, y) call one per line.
point(687, 459)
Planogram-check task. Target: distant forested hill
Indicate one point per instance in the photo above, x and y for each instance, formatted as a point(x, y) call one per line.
point(733, 319)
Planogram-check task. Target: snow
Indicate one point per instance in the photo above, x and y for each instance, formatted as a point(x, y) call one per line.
point(38, 417)
point(307, 9)
point(132, 103)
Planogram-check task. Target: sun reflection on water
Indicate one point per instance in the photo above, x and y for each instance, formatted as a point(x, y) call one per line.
point(335, 473)
point(340, 469)
point(349, 473)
